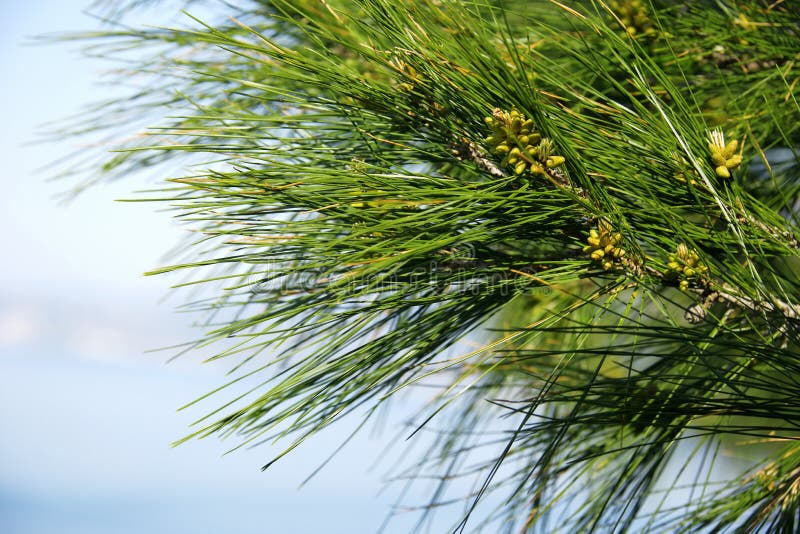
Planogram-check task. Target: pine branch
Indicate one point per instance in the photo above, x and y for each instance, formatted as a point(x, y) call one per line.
point(570, 189)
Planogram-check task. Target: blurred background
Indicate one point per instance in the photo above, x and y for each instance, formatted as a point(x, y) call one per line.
point(87, 415)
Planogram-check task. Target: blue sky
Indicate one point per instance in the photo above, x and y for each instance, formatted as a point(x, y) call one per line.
point(86, 416)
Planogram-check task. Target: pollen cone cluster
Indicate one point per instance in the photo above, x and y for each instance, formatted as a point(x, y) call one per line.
point(514, 137)
point(602, 245)
point(685, 266)
point(633, 14)
point(723, 156)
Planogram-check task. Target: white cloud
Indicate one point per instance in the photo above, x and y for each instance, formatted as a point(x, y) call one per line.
point(19, 325)
point(90, 330)
point(100, 342)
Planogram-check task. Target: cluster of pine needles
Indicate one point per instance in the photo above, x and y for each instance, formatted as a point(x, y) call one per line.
point(575, 222)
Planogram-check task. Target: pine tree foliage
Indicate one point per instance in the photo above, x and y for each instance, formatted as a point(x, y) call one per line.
point(603, 195)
